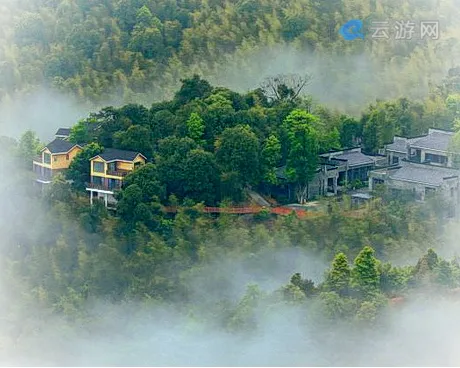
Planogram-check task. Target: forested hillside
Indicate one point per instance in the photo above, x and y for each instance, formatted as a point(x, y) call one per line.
point(184, 82)
point(63, 255)
point(75, 277)
point(136, 50)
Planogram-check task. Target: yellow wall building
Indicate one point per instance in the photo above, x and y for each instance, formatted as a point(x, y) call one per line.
point(54, 158)
point(108, 170)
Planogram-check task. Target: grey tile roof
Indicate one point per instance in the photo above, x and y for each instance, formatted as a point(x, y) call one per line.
point(355, 158)
point(423, 173)
point(60, 146)
point(63, 131)
point(399, 145)
point(436, 141)
point(113, 154)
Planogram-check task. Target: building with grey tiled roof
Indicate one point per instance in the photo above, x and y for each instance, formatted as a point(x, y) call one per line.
point(336, 169)
point(421, 165)
point(63, 133)
point(430, 148)
point(436, 140)
point(419, 179)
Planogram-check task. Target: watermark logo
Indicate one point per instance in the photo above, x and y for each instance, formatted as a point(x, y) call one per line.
point(430, 29)
point(399, 30)
point(380, 30)
point(351, 30)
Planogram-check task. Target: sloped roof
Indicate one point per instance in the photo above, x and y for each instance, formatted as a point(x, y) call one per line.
point(399, 145)
point(63, 132)
point(436, 141)
point(113, 154)
point(422, 173)
point(355, 158)
point(60, 146)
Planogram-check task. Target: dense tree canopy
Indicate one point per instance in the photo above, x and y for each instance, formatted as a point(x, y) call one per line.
point(136, 50)
point(208, 145)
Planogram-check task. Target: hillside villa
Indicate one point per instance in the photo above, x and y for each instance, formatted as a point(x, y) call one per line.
point(420, 166)
point(108, 170)
point(53, 159)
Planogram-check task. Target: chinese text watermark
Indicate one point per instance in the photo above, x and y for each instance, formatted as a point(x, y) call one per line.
point(398, 30)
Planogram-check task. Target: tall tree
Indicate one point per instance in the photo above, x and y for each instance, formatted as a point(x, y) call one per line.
point(339, 276)
point(29, 146)
point(136, 138)
point(237, 150)
point(285, 87)
point(201, 176)
point(80, 167)
point(170, 162)
point(365, 273)
point(303, 148)
point(271, 156)
point(195, 127)
point(191, 89)
point(146, 178)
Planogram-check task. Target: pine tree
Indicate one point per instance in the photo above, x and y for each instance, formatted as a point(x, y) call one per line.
point(338, 278)
point(365, 276)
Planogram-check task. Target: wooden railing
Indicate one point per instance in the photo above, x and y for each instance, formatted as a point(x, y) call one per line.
point(284, 211)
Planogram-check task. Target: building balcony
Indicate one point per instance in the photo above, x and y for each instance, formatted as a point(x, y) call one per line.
point(45, 174)
point(103, 187)
point(37, 161)
point(118, 173)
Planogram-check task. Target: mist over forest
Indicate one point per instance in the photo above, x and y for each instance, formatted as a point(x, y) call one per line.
point(81, 286)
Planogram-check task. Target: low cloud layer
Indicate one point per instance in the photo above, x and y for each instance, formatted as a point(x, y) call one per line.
point(42, 111)
point(418, 334)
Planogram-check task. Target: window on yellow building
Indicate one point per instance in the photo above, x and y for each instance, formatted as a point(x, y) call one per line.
point(67, 157)
point(47, 158)
point(98, 167)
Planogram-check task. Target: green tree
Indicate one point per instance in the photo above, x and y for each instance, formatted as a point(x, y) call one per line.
point(271, 156)
point(195, 127)
point(379, 126)
point(424, 271)
point(444, 274)
point(146, 178)
point(367, 312)
point(29, 147)
point(144, 17)
point(128, 201)
point(336, 308)
point(338, 277)
point(365, 277)
point(244, 317)
point(201, 176)
point(83, 131)
point(136, 138)
point(59, 190)
point(351, 132)
point(306, 286)
point(303, 148)
point(170, 162)
point(191, 89)
point(80, 168)
point(237, 150)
